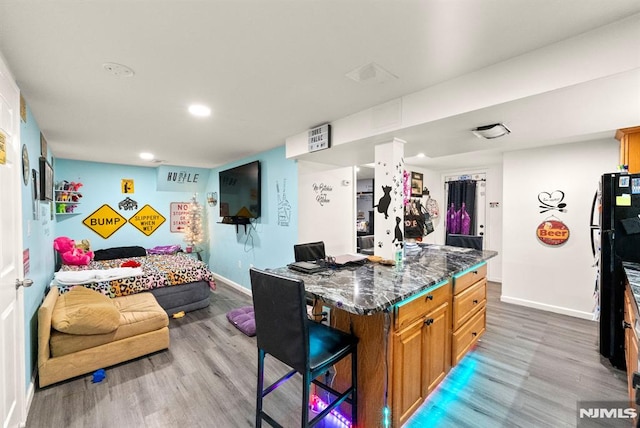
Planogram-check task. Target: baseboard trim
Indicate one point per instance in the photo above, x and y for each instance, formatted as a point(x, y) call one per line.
point(233, 284)
point(548, 308)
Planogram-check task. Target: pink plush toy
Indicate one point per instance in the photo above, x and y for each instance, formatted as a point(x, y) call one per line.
point(70, 254)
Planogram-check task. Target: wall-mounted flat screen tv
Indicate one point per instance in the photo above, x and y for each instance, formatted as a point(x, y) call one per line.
point(240, 191)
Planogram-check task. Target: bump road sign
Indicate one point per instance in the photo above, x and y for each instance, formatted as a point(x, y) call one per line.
point(105, 221)
point(147, 220)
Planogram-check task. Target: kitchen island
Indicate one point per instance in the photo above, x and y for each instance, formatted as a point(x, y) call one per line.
point(414, 322)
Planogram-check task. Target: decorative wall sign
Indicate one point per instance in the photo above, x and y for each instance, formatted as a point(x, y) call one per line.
point(147, 220)
point(319, 138)
point(284, 207)
point(416, 184)
point(104, 221)
point(321, 190)
point(126, 184)
point(552, 232)
point(552, 201)
point(182, 179)
point(128, 204)
point(178, 216)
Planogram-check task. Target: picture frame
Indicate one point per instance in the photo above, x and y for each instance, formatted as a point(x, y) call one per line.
point(46, 180)
point(43, 146)
point(417, 180)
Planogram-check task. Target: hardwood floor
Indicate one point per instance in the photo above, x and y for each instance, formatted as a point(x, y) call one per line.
point(530, 370)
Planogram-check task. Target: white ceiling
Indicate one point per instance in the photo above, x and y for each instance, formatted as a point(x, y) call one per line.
point(272, 69)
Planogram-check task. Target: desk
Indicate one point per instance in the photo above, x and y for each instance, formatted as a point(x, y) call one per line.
point(364, 300)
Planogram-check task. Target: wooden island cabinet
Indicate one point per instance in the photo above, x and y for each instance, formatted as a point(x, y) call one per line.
point(413, 322)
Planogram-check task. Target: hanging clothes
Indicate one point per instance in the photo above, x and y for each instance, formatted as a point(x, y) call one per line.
point(465, 220)
point(453, 219)
point(461, 214)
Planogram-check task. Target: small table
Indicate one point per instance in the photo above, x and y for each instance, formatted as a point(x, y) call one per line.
point(194, 251)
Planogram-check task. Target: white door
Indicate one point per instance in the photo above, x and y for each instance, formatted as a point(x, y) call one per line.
point(12, 364)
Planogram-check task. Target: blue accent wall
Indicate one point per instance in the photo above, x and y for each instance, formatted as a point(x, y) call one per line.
point(102, 185)
point(268, 241)
point(37, 236)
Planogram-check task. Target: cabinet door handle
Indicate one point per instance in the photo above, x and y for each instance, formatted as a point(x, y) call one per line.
point(625, 324)
point(474, 334)
point(428, 321)
point(475, 272)
point(475, 302)
point(429, 297)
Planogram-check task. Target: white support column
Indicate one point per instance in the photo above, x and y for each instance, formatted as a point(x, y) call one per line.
point(388, 210)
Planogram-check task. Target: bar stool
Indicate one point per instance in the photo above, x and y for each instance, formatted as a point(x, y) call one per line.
point(309, 348)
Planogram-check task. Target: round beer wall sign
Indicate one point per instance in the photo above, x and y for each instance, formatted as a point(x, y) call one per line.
point(552, 232)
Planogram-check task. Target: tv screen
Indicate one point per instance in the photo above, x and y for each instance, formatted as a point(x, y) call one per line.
point(240, 191)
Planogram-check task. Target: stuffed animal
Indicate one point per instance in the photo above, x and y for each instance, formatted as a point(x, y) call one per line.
point(70, 254)
point(84, 245)
point(74, 187)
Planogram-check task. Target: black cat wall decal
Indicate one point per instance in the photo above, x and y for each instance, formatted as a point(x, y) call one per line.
point(384, 202)
point(398, 238)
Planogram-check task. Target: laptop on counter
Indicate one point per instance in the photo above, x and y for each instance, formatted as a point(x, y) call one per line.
point(306, 267)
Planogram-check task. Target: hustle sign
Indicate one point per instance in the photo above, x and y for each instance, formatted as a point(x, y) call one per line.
point(182, 179)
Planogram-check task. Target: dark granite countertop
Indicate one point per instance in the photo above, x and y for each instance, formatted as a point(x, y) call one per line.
point(372, 287)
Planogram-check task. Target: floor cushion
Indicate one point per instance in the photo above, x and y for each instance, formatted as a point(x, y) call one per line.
point(244, 320)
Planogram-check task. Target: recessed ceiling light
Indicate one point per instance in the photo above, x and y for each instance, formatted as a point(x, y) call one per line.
point(199, 110)
point(146, 156)
point(492, 131)
point(420, 155)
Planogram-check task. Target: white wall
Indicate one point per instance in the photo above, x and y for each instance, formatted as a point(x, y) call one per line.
point(332, 221)
point(559, 279)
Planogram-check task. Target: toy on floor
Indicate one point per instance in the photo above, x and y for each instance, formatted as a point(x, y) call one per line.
point(98, 376)
point(178, 315)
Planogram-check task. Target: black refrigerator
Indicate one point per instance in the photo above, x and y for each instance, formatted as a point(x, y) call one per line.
point(619, 241)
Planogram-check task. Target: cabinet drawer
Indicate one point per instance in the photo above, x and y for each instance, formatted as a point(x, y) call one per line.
point(467, 303)
point(467, 279)
point(468, 335)
point(408, 312)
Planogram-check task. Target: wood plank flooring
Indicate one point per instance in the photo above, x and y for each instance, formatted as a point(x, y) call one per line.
point(530, 370)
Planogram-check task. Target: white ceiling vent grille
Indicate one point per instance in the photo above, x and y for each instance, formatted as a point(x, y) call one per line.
point(371, 73)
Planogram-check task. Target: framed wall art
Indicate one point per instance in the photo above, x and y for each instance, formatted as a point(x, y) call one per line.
point(416, 184)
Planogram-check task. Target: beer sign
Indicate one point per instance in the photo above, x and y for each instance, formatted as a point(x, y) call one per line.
point(552, 232)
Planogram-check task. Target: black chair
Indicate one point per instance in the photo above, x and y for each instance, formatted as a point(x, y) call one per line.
point(366, 244)
point(466, 241)
point(311, 252)
point(309, 348)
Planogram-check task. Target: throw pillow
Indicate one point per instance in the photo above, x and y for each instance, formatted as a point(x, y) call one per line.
point(84, 311)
